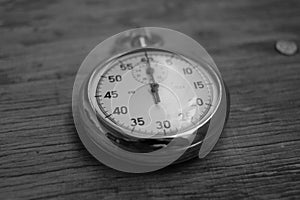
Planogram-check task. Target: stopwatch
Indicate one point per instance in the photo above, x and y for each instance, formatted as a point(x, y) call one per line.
point(147, 98)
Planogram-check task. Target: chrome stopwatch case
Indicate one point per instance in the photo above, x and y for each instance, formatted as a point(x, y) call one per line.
point(147, 98)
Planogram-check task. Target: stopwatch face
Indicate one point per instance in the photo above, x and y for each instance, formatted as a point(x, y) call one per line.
point(153, 93)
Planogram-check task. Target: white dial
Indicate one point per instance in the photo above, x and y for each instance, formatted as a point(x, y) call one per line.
point(154, 93)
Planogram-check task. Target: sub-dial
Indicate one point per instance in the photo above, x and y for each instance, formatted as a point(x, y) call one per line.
point(144, 74)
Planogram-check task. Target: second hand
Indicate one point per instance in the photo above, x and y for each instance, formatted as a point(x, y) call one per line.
point(153, 85)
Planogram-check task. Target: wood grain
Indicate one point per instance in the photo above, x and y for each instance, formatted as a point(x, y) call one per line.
point(42, 44)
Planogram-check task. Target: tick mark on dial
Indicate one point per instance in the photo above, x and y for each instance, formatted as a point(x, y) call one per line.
point(133, 129)
point(192, 120)
point(107, 116)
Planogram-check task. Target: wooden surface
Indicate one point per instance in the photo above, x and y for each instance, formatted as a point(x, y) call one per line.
point(42, 44)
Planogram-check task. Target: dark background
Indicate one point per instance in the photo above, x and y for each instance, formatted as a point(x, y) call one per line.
point(42, 44)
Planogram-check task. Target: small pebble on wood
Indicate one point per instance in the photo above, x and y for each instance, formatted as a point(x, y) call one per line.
point(286, 47)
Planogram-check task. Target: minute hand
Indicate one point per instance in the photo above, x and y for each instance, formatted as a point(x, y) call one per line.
point(153, 85)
